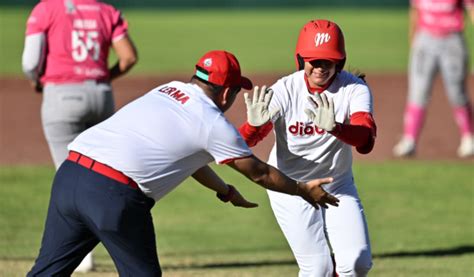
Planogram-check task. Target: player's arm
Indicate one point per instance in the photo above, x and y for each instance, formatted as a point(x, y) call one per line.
point(208, 178)
point(272, 179)
point(413, 19)
point(259, 117)
point(470, 11)
point(34, 51)
point(360, 132)
point(127, 56)
point(253, 135)
point(32, 60)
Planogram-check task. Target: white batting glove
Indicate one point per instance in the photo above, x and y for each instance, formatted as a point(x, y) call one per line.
point(322, 113)
point(257, 107)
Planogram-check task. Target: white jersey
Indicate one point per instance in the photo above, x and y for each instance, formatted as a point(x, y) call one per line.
point(306, 152)
point(163, 137)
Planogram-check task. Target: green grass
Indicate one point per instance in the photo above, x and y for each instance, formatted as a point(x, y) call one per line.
point(263, 40)
point(171, 41)
point(420, 214)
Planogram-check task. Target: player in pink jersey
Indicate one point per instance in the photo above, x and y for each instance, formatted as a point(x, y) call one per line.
point(437, 44)
point(318, 114)
point(66, 57)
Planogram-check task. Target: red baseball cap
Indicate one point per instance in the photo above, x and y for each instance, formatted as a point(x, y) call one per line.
point(221, 68)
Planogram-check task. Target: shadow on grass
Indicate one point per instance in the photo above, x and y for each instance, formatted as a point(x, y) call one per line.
point(230, 265)
point(455, 251)
point(460, 250)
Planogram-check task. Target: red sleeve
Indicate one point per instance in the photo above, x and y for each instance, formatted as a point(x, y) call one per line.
point(361, 132)
point(252, 135)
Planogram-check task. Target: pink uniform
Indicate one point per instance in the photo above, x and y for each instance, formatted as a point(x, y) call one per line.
point(438, 46)
point(80, 50)
point(441, 17)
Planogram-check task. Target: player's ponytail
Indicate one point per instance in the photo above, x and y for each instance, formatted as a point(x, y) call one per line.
point(359, 74)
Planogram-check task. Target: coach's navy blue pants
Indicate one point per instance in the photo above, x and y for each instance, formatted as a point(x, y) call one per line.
point(87, 208)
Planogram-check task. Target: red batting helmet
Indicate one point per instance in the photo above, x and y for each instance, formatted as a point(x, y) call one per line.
point(320, 39)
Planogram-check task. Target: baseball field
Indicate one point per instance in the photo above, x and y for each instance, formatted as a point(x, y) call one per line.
point(420, 211)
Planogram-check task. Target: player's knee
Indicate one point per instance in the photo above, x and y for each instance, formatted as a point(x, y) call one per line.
point(357, 263)
point(315, 266)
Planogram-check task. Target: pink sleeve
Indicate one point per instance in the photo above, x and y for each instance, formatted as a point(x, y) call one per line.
point(38, 20)
point(120, 26)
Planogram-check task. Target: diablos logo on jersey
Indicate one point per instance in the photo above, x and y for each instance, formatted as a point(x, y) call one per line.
point(304, 129)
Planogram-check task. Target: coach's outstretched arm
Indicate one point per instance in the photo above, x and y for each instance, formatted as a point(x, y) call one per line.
point(208, 178)
point(271, 178)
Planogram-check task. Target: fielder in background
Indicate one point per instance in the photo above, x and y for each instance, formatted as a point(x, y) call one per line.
point(117, 170)
point(318, 114)
point(66, 52)
point(437, 44)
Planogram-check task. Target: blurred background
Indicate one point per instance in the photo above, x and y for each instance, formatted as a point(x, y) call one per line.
point(420, 210)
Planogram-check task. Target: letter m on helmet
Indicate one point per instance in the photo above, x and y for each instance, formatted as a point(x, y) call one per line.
point(321, 38)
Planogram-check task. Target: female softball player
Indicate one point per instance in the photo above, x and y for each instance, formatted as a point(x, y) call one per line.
point(438, 44)
point(318, 113)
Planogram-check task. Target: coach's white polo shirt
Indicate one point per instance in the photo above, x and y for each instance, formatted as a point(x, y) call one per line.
point(163, 137)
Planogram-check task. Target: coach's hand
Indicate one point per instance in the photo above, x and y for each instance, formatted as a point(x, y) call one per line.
point(322, 113)
point(315, 194)
point(234, 196)
point(257, 107)
point(239, 201)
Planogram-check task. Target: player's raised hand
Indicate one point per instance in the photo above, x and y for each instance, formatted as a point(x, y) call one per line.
point(257, 107)
point(239, 201)
point(322, 113)
point(315, 195)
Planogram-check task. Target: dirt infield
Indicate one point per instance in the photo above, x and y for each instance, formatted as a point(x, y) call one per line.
point(22, 140)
